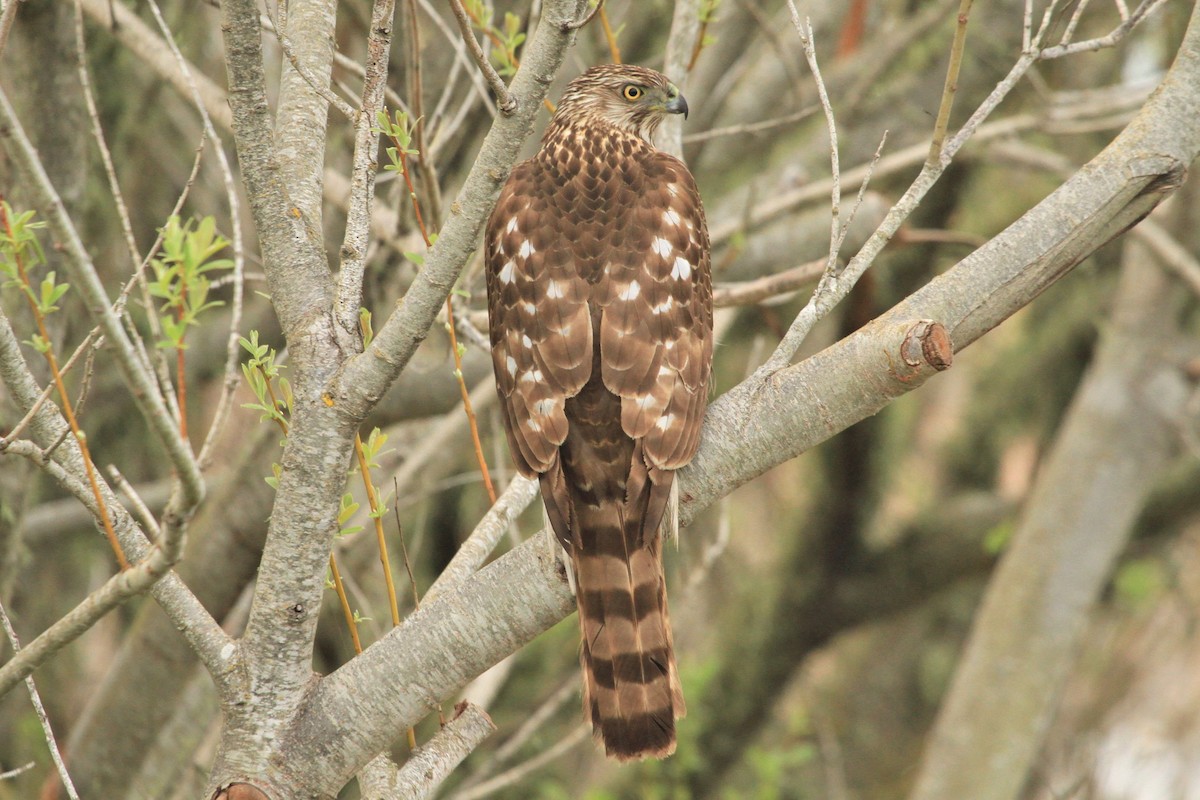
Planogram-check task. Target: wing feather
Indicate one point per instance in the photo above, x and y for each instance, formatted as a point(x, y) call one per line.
point(656, 325)
point(541, 331)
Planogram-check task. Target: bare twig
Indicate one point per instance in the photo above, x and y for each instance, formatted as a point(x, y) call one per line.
point(47, 731)
point(751, 128)
point(460, 49)
point(1170, 252)
point(115, 591)
point(586, 18)
point(323, 91)
point(504, 101)
point(805, 32)
point(1145, 9)
point(951, 85)
point(756, 291)
point(139, 508)
point(1069, 33)
point(8, 775)
point(512, 776)
point(609, 36)
point(362, 178)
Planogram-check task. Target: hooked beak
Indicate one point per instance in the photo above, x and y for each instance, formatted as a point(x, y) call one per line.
point(677, 104)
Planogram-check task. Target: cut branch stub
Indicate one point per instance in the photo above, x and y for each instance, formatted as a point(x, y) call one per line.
point(927, 342)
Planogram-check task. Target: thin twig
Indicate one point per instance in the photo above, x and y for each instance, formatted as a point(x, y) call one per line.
point(356, 240)
point(610, 36)
point(586, 18)
point(513, 776)
point(324, 92)
point(950, 88)
point(344, 602)
point(805, 31)
point(750, 128)
point(377, 518)
point(412, 579)
point(1112, 39)
point(113, 592)
point(39, 709)
point(450, 325)
point(754, 291)
point(65, 399)
point(1069, 33)
point(504, 101)
point(139, 509)
point(8, 775)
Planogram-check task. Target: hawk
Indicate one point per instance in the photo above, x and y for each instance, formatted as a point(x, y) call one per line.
point(600, 311)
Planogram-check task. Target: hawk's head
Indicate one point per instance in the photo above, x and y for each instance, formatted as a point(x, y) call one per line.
point(633, 99)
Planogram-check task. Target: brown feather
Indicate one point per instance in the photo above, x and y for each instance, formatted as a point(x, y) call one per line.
point(600, 308)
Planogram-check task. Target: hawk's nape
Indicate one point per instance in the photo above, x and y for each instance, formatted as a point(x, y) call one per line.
point(600, 310)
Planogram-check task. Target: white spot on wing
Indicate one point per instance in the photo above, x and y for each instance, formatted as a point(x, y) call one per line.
point(665, 421)
point(662, 247)
point(682, 269)
point(554, 289)
point(507, 272)
point(533, 425)
point(526, 249)
point(526, 341)
point(511, 365)
point(512, 225)
point(532, 376)
point(670, 216)
point(645, 401)
point(528, 308)
point(631, 290)
point(664, 306)
point(546, 406)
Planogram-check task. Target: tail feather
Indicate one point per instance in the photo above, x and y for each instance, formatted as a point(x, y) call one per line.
point(631, 686)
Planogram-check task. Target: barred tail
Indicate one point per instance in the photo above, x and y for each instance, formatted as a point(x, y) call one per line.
point(631, 688)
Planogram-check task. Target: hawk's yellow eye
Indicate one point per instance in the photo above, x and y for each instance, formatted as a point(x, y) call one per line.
point(631, 92)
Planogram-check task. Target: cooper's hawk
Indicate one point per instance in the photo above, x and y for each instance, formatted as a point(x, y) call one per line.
point(600, 303)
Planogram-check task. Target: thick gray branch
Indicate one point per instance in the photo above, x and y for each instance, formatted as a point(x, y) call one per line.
point(293, 253)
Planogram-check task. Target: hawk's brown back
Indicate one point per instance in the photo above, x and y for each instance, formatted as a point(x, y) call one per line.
point(600, 306)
